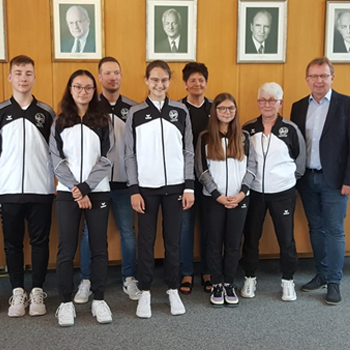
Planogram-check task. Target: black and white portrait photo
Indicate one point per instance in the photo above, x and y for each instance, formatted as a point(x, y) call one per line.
point(171, 30)
point(78, 29)
point(337, 32)
point(261, 31)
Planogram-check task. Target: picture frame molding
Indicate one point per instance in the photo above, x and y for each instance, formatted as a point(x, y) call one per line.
point(280, 56)
point(151, 34)
point(332, 8)
point(56, 30)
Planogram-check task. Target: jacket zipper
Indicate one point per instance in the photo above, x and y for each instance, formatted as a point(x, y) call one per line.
point(164, 163)
point(24, 146)
point(81, 152)
point(226, 166)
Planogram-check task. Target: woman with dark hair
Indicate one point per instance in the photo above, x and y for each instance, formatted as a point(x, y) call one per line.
point(226, 166)
point(81, 145)
point(159, 168)
point(195, 78)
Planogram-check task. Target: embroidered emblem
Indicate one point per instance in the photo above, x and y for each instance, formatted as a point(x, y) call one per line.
point(40, 120)
point(174, 116)
point(283, 131)
point(124, 112)
point(148, 116)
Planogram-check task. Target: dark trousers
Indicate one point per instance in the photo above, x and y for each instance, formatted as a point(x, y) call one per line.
point(68, 219)
point(38, 216)
point(172, 214)
point(282, 214)
point(225, 227)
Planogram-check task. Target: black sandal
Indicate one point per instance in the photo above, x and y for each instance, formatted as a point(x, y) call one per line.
point(188, 285)
point(207, 285)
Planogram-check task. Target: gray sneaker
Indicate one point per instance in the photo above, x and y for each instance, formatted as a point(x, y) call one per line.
point(130, 287)
point(36, 302)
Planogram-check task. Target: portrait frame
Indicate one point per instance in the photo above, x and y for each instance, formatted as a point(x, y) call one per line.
point(3, 36)
point(275, 42)
point(336, 48)
point(63, 39)
point(157, 41)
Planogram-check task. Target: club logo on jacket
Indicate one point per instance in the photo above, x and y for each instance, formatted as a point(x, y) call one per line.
point(9, 117)
point(174, 116)
point(124, 112)
point(283, 132)
point(252, 131)
point(148, 116)
point(40, 120)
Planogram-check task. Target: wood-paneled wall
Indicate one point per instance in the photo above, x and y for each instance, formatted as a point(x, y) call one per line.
point(29, 32)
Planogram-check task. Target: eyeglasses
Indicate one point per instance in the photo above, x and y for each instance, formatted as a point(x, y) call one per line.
point(271, 102)
point(225, 109)
point(316, 76)
point(79, 23)
point(157, 81)
point(78, 88)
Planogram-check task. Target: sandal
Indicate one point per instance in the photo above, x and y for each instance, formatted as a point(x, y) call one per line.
point(207, 285)
point(188, 285)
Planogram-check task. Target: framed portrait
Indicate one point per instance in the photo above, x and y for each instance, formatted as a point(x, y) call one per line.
point(262, 31)
point(171, 30)
point(337, 31)
point(77, 27)
point(3, 41)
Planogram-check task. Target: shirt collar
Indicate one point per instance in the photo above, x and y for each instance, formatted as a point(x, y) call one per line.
point(326, 97)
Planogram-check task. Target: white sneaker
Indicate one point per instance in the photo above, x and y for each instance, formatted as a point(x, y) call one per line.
point(101, 311)
point(176, 305)
point(36, 302)
point(65, 314)
point(83, 292)
point(249, 287)
point(18, 303)
point(144, 306)
point(130, 287)
point(288, 290)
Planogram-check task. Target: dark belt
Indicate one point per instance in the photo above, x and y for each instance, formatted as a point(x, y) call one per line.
point(316, 171)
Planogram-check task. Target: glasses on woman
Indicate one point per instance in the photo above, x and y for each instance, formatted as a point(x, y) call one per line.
point(223, 110)
point(88, 89)
point(271, 102)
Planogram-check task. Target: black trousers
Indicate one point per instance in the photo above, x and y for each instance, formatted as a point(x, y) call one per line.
point(172, 215)
point(282, 214)
point(225, 228)
point(38, 216)
point(68, 219)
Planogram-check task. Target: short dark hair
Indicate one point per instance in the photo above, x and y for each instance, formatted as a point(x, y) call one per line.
point(320, 61)
point(107, 59)
point(20, 61)
point(157, 64)
point(194, 67)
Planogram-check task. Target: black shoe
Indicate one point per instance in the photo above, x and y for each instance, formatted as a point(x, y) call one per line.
point(217, 296)
point(333, 294)
point(318, 282)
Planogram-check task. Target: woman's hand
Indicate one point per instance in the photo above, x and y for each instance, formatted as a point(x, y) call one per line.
point(84, 203)
point(187, 200)
point(137, 203)
point(76, 193)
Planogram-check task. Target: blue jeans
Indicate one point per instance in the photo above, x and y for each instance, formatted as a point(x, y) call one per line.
point(124, 215)
point(187, 234)
point(325, 209)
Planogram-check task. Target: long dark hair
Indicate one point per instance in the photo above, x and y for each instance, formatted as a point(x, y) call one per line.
point(68, 115)
point(234, 133)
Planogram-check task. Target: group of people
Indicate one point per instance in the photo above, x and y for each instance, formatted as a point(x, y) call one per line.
point(191, 158)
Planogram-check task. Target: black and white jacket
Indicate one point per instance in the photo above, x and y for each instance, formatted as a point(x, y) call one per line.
point(25, 170)
point(225, 177)
point(281, 156)
point(159, 154)
point(82, 157)
point(118, 114)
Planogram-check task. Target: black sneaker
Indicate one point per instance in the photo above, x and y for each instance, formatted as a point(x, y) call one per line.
point(217, 296)
point(231, 298)
point(333, 294)
point(318, 282)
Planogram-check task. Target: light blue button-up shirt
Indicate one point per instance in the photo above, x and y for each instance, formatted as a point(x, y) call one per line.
point(315, 119)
